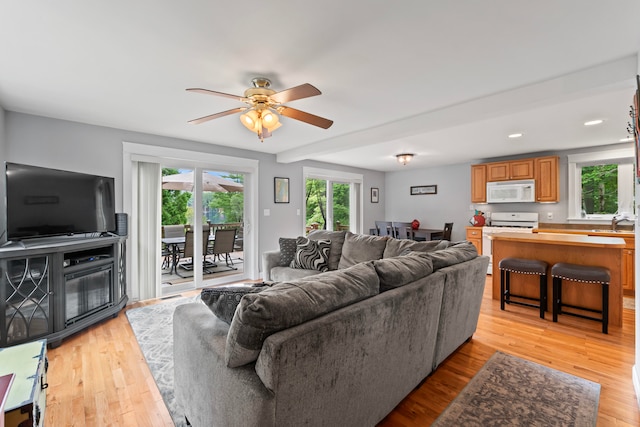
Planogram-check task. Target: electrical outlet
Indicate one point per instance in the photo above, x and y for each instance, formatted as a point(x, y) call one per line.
point(549, 215)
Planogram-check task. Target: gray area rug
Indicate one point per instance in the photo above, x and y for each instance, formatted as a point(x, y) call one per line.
point(153, 327)
point(509, 391)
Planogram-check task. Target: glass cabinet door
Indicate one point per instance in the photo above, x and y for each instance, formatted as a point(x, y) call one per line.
point(25, 297)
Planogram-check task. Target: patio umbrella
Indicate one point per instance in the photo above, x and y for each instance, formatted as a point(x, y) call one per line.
point(184, 182)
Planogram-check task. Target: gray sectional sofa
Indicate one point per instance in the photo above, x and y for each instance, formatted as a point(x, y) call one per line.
point(341, 347)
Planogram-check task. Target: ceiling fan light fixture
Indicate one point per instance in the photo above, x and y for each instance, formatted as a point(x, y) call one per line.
point(404, 158)
point(250, 120)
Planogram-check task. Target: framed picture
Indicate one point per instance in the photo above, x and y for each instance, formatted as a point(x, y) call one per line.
point(281, 190)
point(374, 195)
point(423, 189)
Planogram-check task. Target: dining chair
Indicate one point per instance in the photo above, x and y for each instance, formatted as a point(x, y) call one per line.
point(223, 244)
point(446, 235)
point(402, 230)
point(384, 228)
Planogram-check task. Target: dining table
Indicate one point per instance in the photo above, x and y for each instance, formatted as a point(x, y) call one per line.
point(428, 234)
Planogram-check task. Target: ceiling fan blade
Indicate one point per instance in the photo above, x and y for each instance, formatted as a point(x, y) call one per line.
point(215, 116)
point(213, 92)
point(303, 91)
point(305, 117)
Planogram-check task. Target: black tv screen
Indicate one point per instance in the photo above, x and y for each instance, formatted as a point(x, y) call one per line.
point(51, 202)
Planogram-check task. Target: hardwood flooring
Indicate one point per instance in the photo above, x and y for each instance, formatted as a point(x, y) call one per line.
point(98, 377)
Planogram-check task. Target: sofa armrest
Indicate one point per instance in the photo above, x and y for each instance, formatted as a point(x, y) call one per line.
point(270, 259)
point(208, 392)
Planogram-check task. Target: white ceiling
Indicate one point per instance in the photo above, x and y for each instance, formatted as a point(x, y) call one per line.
point(445, 80)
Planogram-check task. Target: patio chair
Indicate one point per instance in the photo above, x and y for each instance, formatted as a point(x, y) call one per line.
point(168, 250)
point(223, 244)
point(188, 251)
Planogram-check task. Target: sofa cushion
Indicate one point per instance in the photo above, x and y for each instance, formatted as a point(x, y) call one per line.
point(288, 248)
point(223, 300)
point(311, 254)
point(285, 274)
point(397, 247)
point(288, 304)
point(360, 248)
point(401, 270)
point(337, 241)
point(454, 254)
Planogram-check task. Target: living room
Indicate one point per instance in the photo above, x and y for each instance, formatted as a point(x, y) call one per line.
point(379, 109)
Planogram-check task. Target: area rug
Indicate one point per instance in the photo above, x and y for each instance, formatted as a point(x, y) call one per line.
point(153, 327)
point(509, 391)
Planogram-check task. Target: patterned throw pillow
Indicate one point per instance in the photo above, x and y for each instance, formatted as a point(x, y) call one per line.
point(312, 254)
point(288, 248)
point(223, 300)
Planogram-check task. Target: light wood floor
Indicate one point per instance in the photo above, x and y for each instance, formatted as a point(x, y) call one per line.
point(99, 377)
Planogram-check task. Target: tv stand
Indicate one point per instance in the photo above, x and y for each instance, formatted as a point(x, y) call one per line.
point(53, 287)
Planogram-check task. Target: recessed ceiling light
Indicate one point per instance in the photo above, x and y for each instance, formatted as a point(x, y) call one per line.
point(515, 135)
point(593, 122)
point(627, 139)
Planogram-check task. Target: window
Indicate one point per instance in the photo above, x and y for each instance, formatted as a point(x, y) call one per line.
point(601, 184)
point(333, 200)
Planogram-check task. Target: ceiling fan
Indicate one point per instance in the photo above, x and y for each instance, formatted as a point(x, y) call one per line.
point(265, 105)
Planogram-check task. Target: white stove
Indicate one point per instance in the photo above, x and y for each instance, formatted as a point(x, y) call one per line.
point(507, 222)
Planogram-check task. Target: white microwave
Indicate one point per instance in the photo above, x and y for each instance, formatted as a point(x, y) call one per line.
point(511, 191)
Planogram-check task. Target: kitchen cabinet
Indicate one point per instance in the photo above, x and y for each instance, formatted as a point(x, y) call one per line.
point(547, 180)
point(544, 170)
point(478, 183)
point(510, 170)
point(474, 235)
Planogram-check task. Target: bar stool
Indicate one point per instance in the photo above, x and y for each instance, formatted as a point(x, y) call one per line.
point(583, 274)
point(523, 266)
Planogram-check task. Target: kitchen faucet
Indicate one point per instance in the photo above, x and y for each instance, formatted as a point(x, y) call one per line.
point(617, 219)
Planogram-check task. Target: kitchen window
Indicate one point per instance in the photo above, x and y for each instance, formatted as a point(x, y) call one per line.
point(601, 184)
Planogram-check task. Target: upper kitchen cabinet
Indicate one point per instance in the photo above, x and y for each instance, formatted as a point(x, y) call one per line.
point(545, 171)
point(510, 170)
point(547, 179)
point(478, 183)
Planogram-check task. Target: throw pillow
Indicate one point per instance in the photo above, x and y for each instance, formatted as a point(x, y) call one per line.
point(287, 250)
point(311, 254)
point(223, 300)
point(399, 271)
point(360, 248)
point(337, 241)
point(287, 304)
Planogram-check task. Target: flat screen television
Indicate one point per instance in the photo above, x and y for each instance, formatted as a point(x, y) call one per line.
point(50, 202)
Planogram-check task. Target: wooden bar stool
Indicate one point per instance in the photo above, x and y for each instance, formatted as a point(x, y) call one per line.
point(583, 274)
point(523, 266)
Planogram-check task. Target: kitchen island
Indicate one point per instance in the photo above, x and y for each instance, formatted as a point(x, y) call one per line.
point(553, 248)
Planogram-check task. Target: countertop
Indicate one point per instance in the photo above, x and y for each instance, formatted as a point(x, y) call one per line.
point(595, 232)
point(562, 239)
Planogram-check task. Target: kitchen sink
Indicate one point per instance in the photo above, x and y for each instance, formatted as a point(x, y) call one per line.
point(606, 231)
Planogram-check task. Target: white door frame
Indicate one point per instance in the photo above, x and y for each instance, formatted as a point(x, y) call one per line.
point(134, 152)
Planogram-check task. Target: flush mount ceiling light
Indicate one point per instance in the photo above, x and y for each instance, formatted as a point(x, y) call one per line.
point(262, 115)
point(515, 135)
point(593, 122)
point(404, 158)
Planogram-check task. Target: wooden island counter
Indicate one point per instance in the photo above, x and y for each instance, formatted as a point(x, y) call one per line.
point(553, 248)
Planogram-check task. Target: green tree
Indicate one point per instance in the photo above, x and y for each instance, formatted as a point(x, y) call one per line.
point(600, 189)
point(316, 202)
point(174, 203)
point(227, 207)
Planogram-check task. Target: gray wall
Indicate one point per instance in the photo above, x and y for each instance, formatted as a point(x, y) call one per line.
point(60, 144)
point(450, 204)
